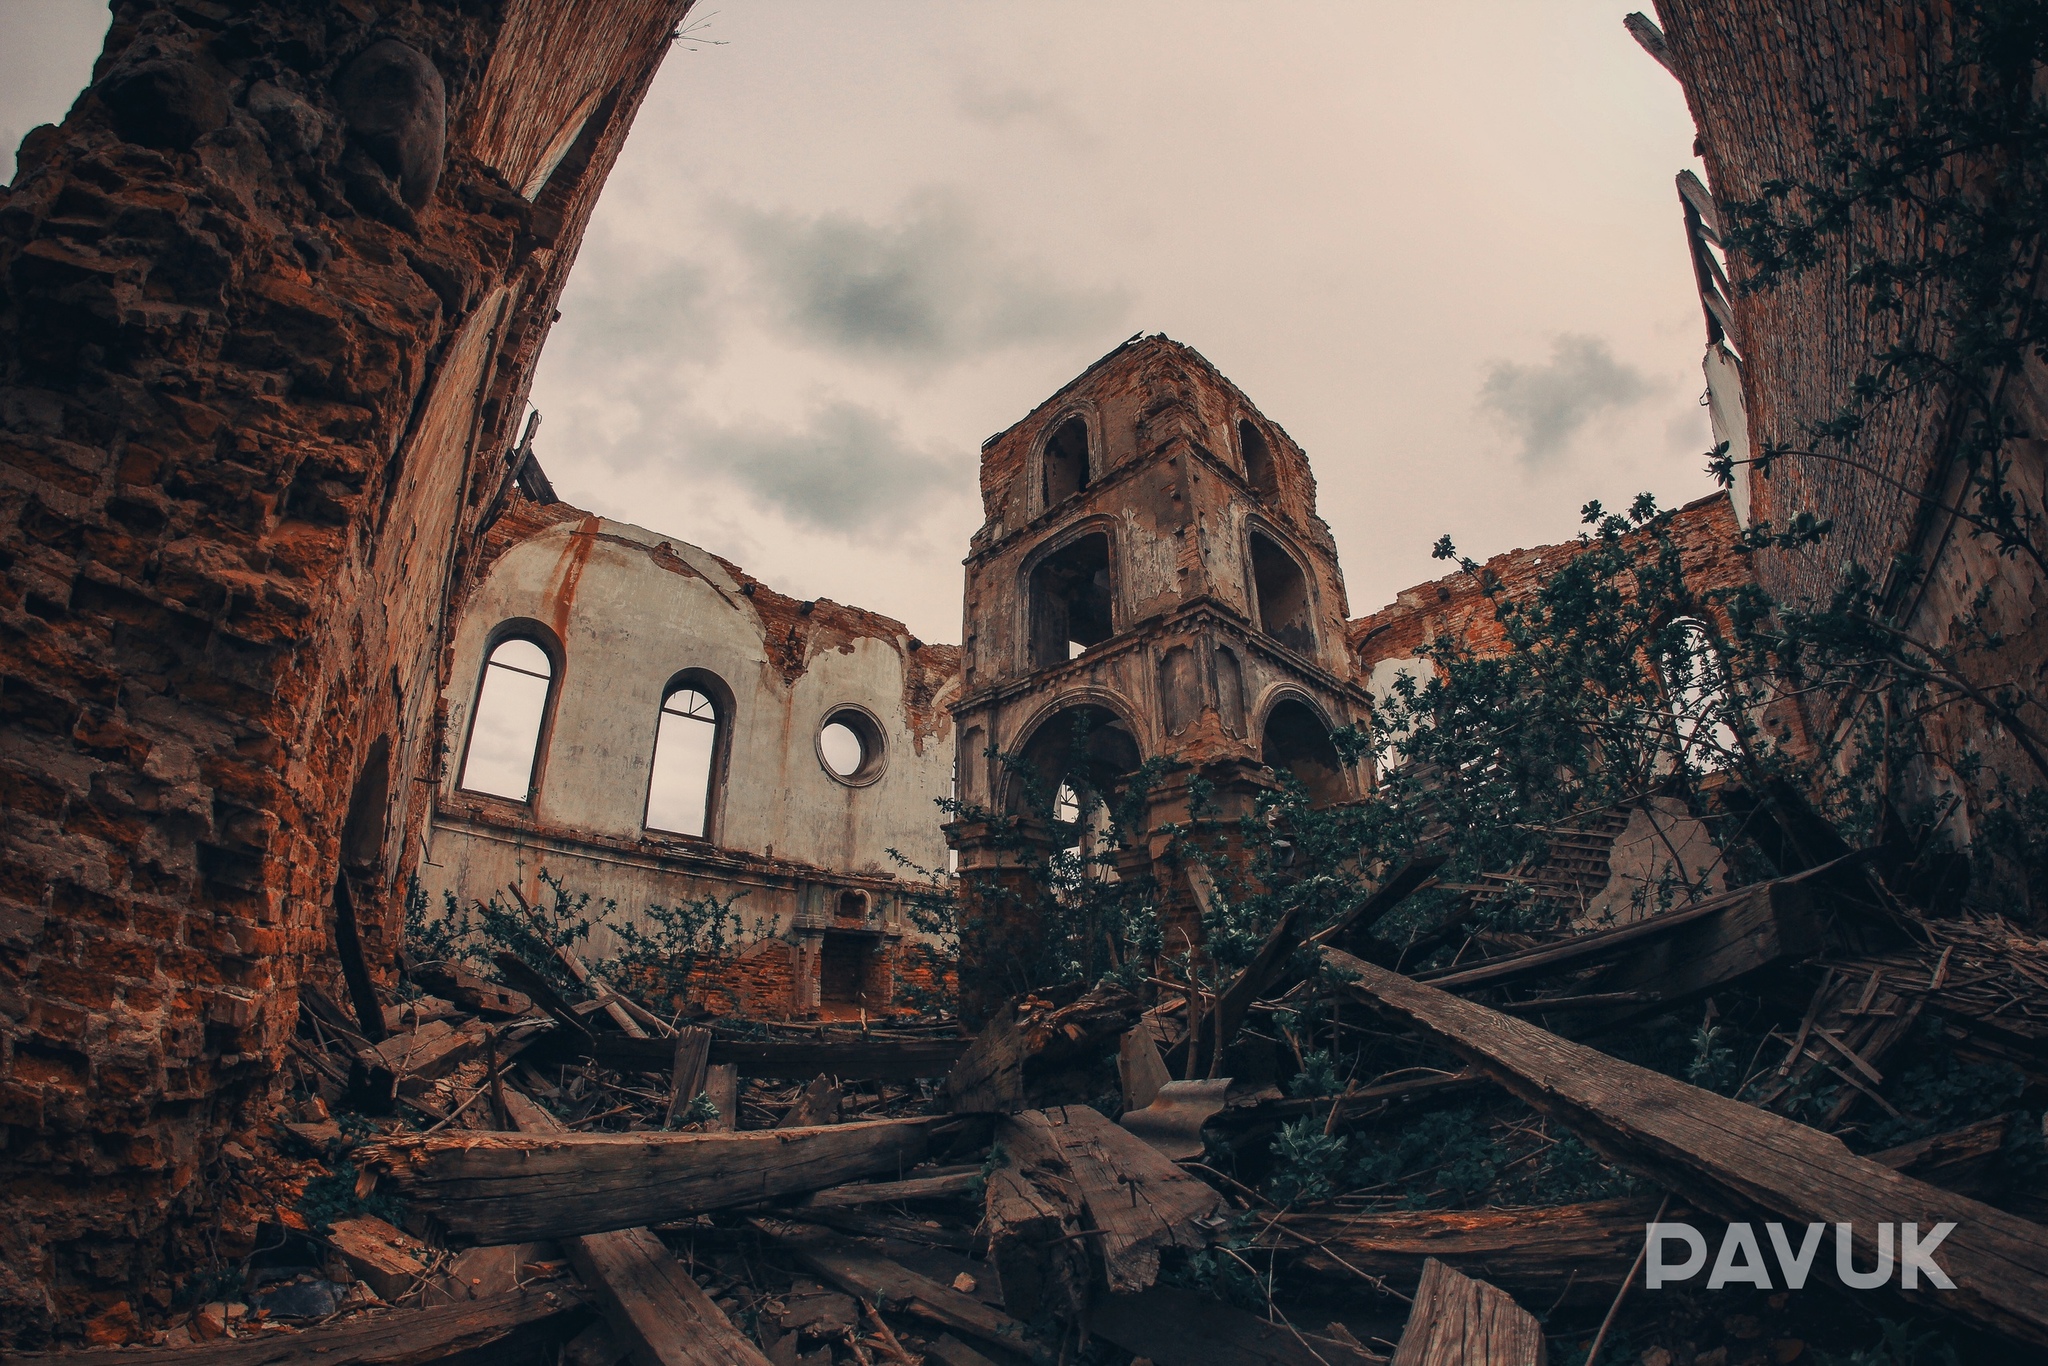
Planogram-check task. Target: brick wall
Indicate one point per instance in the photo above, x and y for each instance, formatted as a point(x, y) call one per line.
point(263, 332)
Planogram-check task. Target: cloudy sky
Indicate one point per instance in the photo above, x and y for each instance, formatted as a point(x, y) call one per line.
point(1438, 243)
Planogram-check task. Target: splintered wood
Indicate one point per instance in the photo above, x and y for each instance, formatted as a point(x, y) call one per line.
point(1131, 1201)
point(1458, 1321)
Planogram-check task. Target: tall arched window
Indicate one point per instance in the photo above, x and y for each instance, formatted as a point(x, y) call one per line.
point(511, 706)
point(685, 762)
point(1258, 459)
point(1297, 742)
point(1066, 461)
point(1700, 705)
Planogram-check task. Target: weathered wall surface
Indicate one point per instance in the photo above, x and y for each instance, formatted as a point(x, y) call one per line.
point(1753, 72)
point(626, 611)
point(269, 300)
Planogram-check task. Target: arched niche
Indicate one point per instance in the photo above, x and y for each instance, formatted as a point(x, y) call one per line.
point(1281, 589)
point(1296, 741)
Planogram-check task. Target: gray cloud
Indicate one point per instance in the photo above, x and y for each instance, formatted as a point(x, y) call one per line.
point(848, 469)
point(1546, 403)
point(997, 105)
point(929, 285)
point(657, 313)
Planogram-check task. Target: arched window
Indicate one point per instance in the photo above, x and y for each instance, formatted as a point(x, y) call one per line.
point(504, 733)
point(1282, 592)
point(1698, 688)
point(685, 760)
point(1071, 594)
point(1258, 458)
point(1297, 742)
point(1066, 461)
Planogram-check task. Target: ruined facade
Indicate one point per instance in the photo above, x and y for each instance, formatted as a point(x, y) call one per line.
point(269, 303)
point(1764, 79)
point(814, 739)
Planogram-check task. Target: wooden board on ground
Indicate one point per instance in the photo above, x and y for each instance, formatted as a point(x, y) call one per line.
point(511, 1188)
point(405, 1337)
point(1175, 1327)
point(1457, 1321)
point(387, 1259)
point(940, 1185)
point(1730, 1157)
point(1535, 1252)
point(656, 1312)
point(892, 1286)
point(1131, 1198)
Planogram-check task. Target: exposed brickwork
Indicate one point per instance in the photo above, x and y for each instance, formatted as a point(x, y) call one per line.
point(262, 334)
point(1754, 72)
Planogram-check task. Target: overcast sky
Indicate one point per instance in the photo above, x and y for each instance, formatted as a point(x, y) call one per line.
point(1437, 242)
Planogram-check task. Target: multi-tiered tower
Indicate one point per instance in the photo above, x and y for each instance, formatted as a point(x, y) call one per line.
point(1151, 561)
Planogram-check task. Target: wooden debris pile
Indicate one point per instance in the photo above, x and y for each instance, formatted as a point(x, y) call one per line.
point(1320, 1159)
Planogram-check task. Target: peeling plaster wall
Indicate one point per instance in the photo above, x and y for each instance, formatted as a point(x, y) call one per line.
point(631, 609)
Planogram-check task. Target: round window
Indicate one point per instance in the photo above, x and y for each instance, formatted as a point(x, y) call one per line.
point(850, 746)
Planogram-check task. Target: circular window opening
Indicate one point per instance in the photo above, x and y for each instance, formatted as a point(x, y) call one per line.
point(850, 746)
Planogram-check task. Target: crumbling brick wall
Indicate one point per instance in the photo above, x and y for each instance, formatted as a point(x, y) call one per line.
point(269, 301)
point(1762, 78)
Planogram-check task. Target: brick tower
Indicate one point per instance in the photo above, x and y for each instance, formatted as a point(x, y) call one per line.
point(1152, 562)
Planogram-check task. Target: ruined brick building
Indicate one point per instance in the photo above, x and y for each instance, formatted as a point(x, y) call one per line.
point(270, 302)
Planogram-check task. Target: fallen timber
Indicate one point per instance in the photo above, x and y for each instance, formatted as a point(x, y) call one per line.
point(1543, 1252)
point(510, 1188)
point(1726, 1156)
point(516, 1327)
point(649, 1300)
point(788, 1059)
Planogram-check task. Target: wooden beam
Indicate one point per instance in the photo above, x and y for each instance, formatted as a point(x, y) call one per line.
point(660, 1315)
point(512, 1188)
point(1457, 1321)
point(1734, 927)
point(945, 1185)
point(870, 1276)
point(1538, 1252)
point(1730, 1157)
point(692, 1058)
point(1410, 878)
point(406, 1337)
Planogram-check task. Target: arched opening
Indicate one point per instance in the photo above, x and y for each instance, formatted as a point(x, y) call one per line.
point(1697, 685)
point(685, 768)
point(504, 732)
point(851, 907)
point(1066, 461)
point(1282, 592)
point(1083, 755)
point(1297, 742)
point(362, 833)
point(1071, 593)
point(1258, 458)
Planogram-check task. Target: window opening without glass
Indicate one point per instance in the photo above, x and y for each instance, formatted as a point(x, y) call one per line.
point(1699, 698)
point(685, 749)
point(850, 746)
point(1071, 595)
point(1066, 461)
point(1283, 596)
point(511, 705)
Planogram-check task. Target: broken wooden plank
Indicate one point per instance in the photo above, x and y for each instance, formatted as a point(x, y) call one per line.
point(1457, 1321)
point(546, 997)
point(1732, 933)
point(1175, 1327)
point(467, 989)
point(432, 1051)
point(1138, 1065)
point(943, 1185)
point(871, 1276)
point(655, 1310)
point(818, 1104)
point(1539, 1252)
point(1410, 878)
point(527, 1319)
point(722, 1085)
point(510, 1188)
point(692, 1060)
point(1030, 1039)
point(1730, 1157)
point(1132, 1200)
point(387, 1259)
point(1034, 1234)
point(1196, 1054)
